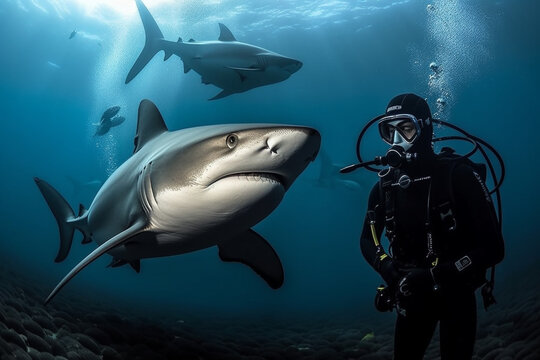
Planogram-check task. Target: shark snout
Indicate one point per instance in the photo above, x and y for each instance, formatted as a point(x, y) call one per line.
point(294, 141)
point(293, 66)
point(294, 149)
point(313, 143)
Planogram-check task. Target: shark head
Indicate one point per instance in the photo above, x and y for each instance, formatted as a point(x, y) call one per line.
point(291, 65)
point(282, 67)
point(238, 173)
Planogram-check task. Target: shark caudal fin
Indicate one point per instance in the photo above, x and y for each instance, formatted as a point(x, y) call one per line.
point(151, 46)
point(63, 214)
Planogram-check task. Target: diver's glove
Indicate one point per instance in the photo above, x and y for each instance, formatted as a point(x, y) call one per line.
point(388, 271)
point(415, 281)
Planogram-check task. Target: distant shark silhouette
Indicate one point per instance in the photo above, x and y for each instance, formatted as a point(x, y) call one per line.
point(188, 190)
point(106, 124)
point(110, 112)
point(108, 121)
point(231, 65)
point(330, 178)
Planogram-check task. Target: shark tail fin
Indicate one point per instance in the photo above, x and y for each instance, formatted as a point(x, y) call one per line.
point(63, 214)
point(152, 44)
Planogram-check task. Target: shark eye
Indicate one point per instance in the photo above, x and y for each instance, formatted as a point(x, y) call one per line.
point(232, 140)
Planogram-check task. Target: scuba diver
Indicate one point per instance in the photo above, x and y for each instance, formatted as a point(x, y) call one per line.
point(443, 231)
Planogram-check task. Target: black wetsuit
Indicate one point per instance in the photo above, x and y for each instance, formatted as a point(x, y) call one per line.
point(476, 235)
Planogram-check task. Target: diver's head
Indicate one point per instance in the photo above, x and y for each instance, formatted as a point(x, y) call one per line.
point(407, 126)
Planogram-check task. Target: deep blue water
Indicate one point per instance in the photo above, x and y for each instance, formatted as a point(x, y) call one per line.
point(357, 55)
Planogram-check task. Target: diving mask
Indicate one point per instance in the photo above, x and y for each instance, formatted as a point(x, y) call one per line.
point(400, 130)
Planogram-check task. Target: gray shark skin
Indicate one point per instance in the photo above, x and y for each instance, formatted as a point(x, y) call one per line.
point(187, 190)
point(231, 65)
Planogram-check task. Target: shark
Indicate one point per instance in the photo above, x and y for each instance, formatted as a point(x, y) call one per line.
point(105, 125)
point(108, 120)
point(110, 112)
point(230, 65)
point(187, 190)
point(329, 176)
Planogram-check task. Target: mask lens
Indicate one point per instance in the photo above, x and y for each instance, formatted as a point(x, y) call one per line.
point(405, 127)
point(386, 130)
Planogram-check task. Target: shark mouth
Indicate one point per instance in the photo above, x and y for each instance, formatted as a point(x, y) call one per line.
point(257, 177)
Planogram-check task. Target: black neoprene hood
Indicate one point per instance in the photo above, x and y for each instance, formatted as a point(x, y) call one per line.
point(413, 104)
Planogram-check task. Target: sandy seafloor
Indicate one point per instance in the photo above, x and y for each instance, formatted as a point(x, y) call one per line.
point(74, 327)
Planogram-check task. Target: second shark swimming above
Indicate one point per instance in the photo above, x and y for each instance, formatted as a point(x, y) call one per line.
point(231, 65)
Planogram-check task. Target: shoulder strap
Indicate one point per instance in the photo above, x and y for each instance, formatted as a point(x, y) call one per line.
point(387, 197)
point(442, 194)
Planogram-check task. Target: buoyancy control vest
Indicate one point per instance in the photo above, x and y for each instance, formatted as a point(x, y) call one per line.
point(443, 235)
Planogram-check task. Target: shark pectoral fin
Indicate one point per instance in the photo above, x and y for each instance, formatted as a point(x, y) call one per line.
point(136, 265)
point(186, 68)
point(249, 69)
point(120, 238)
point(252, 250)
point(116, 262)
point(244, 72)
point(167, 55)
point(225, 33)
point(222, 94)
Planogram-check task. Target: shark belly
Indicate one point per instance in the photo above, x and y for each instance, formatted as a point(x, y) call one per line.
point(233, 78)
point(216, 74)
point(193, 219)
point(217, 63)
point(153, 245)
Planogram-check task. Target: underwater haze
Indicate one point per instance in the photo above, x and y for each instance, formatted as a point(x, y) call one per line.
point(356, 56)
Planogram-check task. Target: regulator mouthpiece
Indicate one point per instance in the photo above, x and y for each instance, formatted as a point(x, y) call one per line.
point(396, 156)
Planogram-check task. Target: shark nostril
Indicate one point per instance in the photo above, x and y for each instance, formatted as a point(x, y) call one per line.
point(272, 148)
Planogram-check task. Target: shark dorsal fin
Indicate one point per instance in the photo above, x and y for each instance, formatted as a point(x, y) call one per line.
point(149, 124)
point(225, 33)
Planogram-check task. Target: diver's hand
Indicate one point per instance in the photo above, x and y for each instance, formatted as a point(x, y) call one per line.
point(389, 272)
point(416, 280)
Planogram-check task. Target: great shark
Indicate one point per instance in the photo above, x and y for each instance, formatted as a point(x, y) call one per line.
point(330, 177)
point(110, 112)
point(108, 120)
point(231, 65)
point(105, 125)
point(187, 190)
